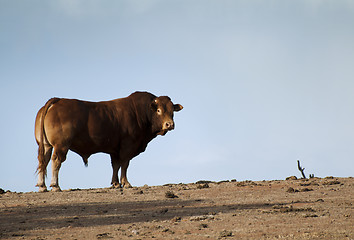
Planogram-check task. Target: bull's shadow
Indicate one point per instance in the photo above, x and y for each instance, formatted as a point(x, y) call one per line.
point(22, 219)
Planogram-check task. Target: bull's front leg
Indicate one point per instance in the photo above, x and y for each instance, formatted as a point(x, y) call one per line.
point(115, 166)
point(123, 176)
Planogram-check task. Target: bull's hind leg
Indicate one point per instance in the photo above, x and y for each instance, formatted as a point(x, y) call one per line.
point(58, 157)
point(115, 165)
point(42, 168)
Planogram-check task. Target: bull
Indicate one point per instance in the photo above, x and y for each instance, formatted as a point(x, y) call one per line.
point(121, 128)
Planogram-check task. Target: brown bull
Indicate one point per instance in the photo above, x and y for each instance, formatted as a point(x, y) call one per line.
point(121, 128)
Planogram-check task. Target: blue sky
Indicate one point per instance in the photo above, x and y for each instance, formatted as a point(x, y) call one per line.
point(263, 83)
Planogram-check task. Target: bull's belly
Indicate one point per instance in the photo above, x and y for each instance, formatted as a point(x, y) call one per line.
point(87, 150)
point(125, 150)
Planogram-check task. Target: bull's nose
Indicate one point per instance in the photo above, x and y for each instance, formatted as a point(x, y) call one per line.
point(169, 125)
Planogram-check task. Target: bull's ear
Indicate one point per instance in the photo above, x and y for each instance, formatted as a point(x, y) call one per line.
point(177, 107)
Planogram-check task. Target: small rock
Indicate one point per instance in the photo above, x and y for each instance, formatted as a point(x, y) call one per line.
point(2, 191)
point(170, 194)
point(176, 219)
point(306, 190)
point(286, 209)
point(225, 233)
point(334, 182)
point(203, 225)
point(201, 186)
point(136, 232)
point(241, 184)
point(201, 218)
point(291, 190)
point(169, 185)
point(291, 178)
point(305, 184)
point(223, 181)
point(167, 230)
point(17, 235)
point(203, 182)
point(103, 235)
point(163, 211)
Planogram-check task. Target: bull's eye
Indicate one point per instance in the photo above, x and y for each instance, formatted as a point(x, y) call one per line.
point(159, 112)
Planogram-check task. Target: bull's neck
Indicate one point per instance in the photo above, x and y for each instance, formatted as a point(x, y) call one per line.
point(141, 119)
point(143, 116)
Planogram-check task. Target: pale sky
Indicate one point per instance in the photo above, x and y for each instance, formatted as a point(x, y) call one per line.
point(263, 83)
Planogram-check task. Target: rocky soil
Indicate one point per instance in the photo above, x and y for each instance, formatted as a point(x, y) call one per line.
point(281, 209)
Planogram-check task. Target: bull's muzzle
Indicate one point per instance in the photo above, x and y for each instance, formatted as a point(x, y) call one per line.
point(170, 125)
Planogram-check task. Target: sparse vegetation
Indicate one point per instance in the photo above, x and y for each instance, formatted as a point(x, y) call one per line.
point(294, 209)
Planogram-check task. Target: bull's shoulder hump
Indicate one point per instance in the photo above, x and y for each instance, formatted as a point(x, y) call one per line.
point(139, 94)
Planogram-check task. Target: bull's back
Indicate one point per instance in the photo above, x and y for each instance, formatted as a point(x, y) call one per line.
point(84, 127)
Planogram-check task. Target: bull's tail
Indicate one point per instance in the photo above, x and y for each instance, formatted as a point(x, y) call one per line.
point(42, 165)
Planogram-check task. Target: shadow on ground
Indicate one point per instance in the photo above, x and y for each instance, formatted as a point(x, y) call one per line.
point(20, 219)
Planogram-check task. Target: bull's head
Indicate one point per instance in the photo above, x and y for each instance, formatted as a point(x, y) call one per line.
point(163, 110)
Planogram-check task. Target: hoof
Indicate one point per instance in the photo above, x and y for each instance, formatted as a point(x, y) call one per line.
point(56, 189)
point(42, 189)
point(127, 185)
point(116, 185)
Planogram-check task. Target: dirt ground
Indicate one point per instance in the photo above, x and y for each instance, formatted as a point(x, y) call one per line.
point(280, 209)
